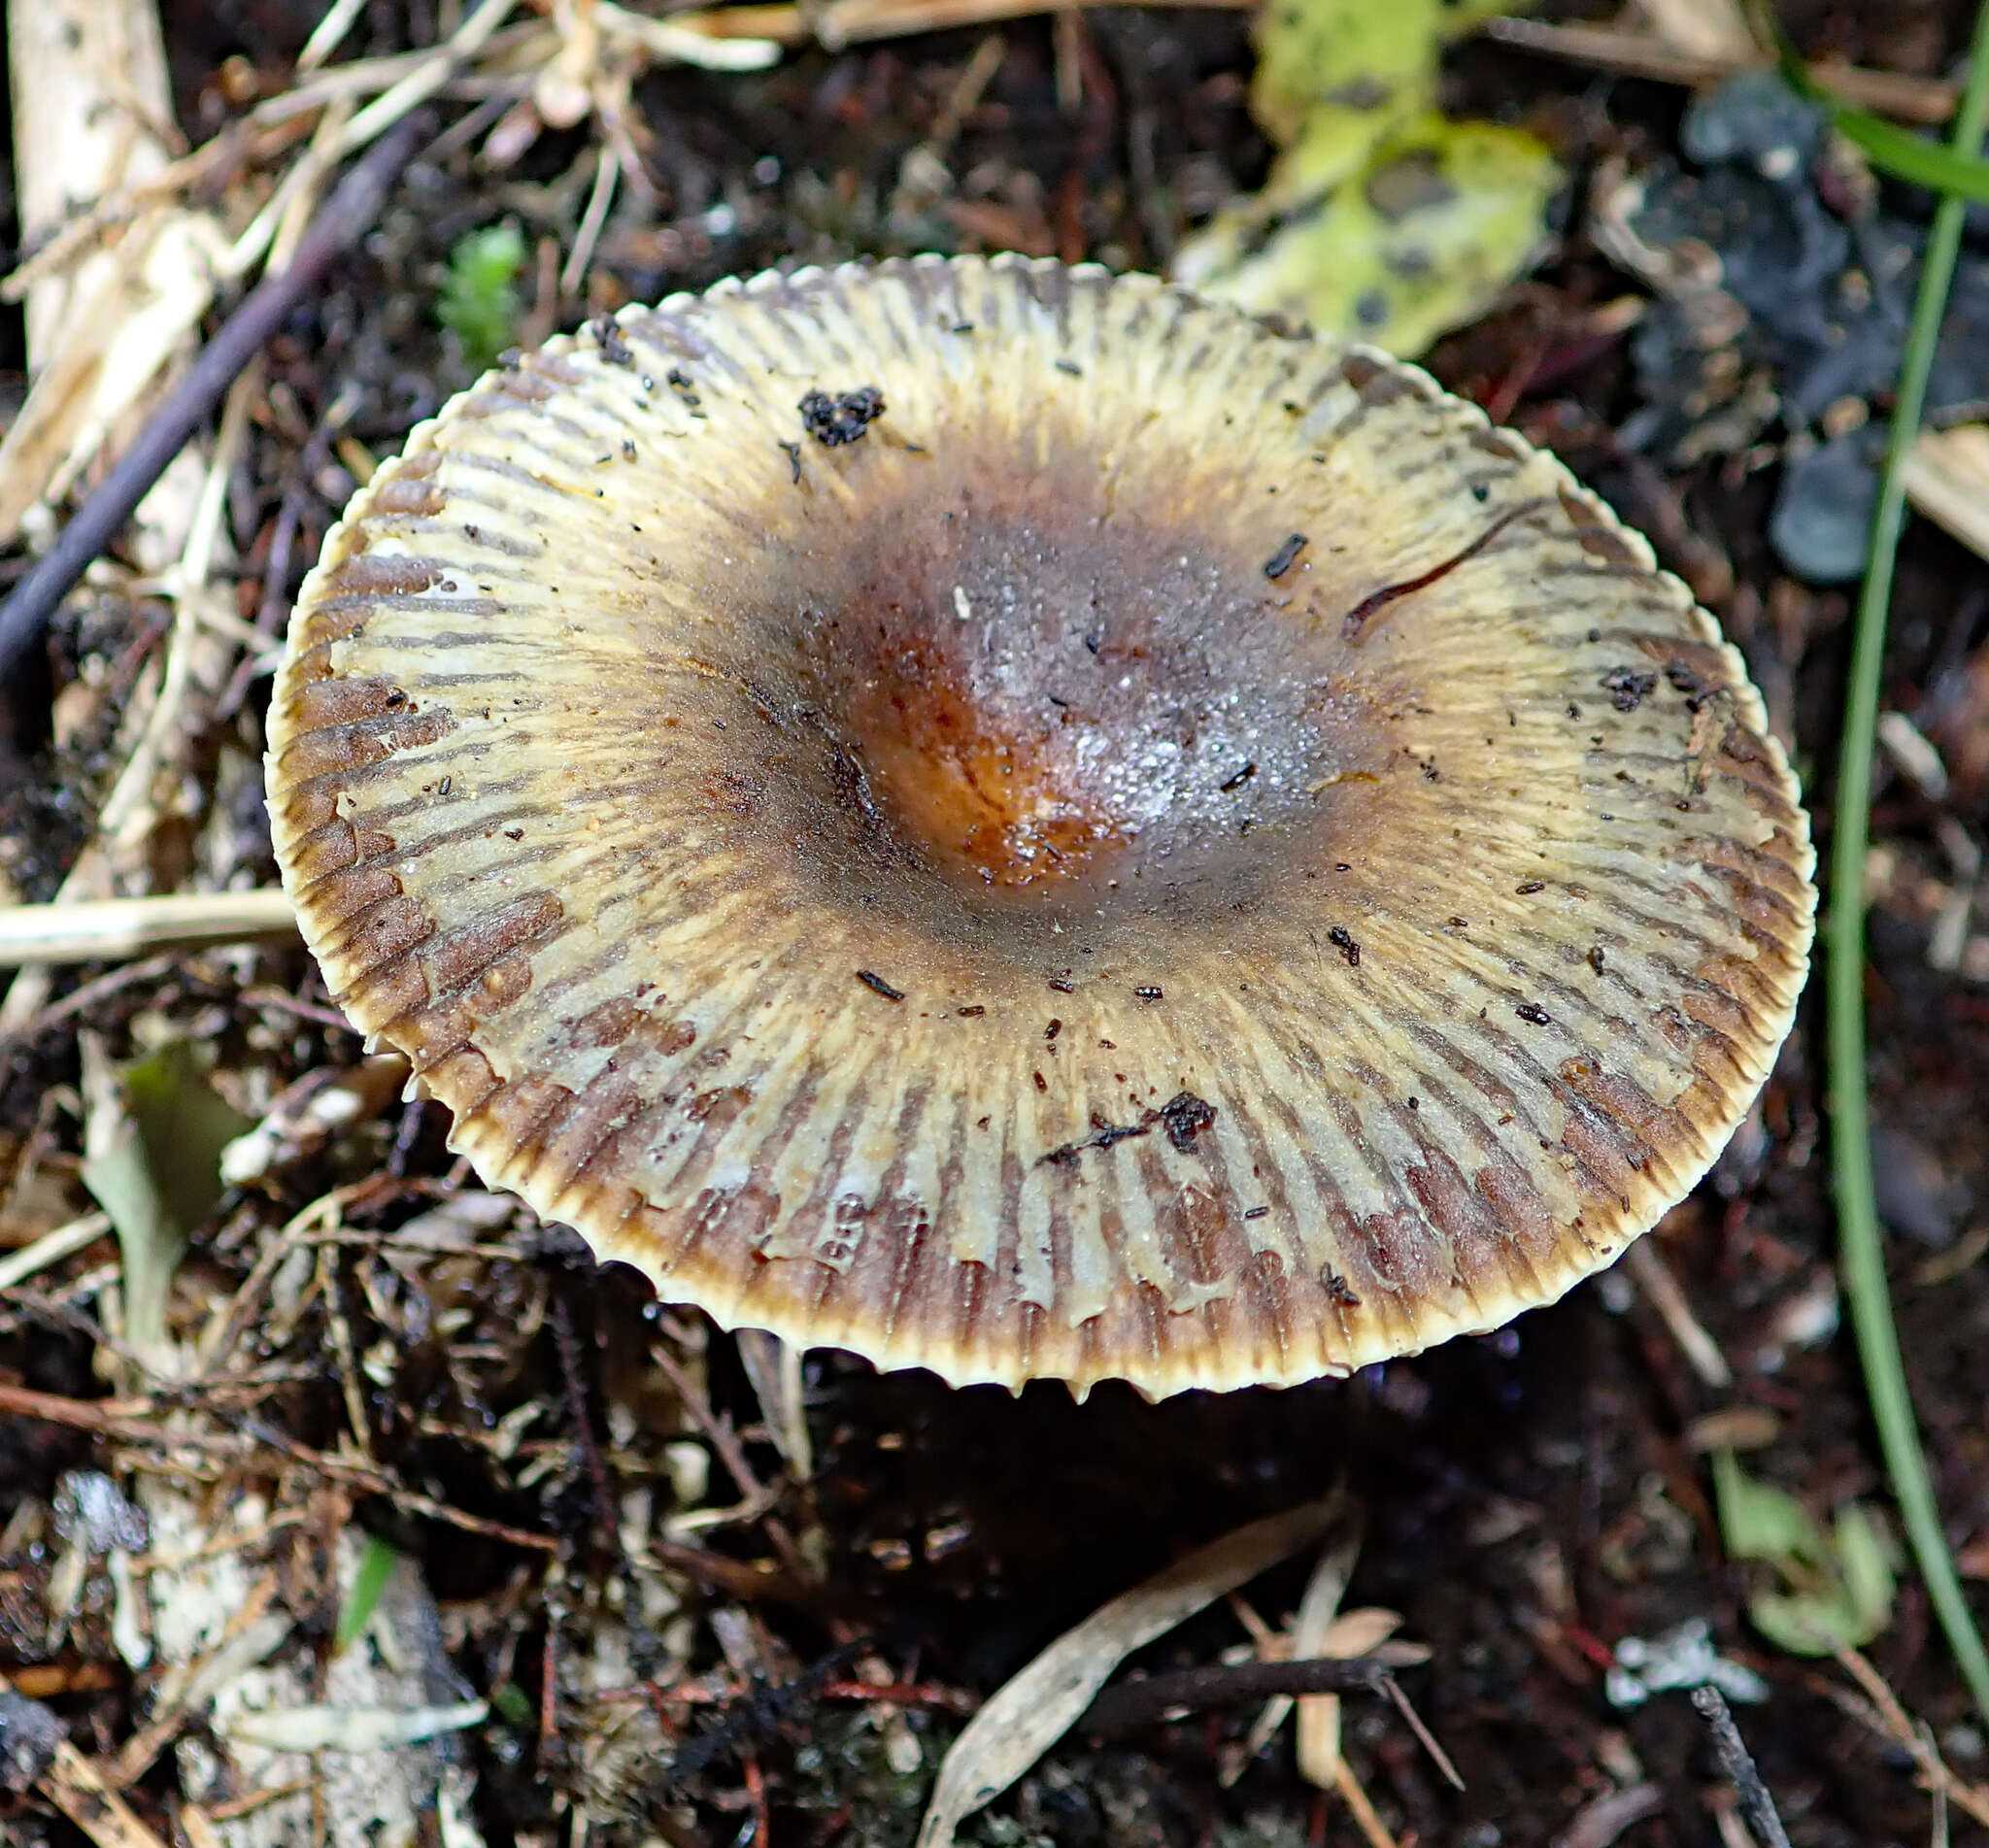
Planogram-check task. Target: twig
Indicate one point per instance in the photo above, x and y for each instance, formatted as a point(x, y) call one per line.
point(724, 1442)
point(739, 1579)
point(1653, 1276)
point(1861, 1255)
point(575, 1380)
point(422, 83)
point(328, 33)
point(1890, 1720)
point(1915, 99)
point(132, 1421)
point(378, 1482)
point(1757, 1806)
point(1374, 1831)
point(607, 172)
point(65, 1241)
point(1131, 1704)
point(856, 21)
point(906, 1694)
point(1425, 1738)
point(347, 213)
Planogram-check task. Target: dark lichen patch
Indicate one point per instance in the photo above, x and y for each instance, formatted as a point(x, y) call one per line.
point(1105, 1135)
point(607, 333)
point(1629, 687)
point(1284, 558)
point(1690, 681)
point(1338, 1288)
point(834, 422)
point(1184, 1116)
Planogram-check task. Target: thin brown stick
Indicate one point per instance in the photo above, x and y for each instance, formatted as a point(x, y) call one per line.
point(378, 1482)
point(724, 1443)
point(856, 21)
point(750, 1584)
point(1912, 99)
point(1137, 1703)
point(99, 988)
point(127, 1421)
point(1890, 1718)
point(1423, 1737)
point(345, 215)
point(1645, 1264)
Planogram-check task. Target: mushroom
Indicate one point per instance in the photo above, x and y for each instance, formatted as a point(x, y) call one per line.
point(1017, 821)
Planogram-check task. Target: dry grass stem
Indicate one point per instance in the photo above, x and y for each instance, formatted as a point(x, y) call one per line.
point(1892, 1720)
point(106, 930)
point(1648, 1269)
point(1912, 99)
point(65, 1241)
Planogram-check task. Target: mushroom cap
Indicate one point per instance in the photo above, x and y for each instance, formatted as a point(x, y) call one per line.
point(1018, 822)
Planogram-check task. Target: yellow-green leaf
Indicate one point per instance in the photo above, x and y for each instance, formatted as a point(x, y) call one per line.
point(1372, 63)
point(1369, 60)
point(1419, 237)
point(1834, 1589)
point(154, 1168)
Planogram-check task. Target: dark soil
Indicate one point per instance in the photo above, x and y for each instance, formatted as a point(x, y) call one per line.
point(1532, 1498)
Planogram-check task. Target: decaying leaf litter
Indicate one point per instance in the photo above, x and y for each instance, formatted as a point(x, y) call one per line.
point(381, 1502)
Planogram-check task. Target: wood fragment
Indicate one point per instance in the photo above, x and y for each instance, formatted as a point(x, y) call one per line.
point(1129, 1704)
point(79, 1788)
point(1947, 480)
point(1757, 1806)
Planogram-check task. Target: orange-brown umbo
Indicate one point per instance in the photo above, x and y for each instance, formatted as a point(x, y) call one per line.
point(1021, 822)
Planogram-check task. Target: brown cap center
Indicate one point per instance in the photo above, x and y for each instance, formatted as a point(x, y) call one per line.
point(1023, 687)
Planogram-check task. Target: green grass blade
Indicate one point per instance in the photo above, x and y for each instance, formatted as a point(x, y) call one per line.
point(1904, 155)
point(1861, 1252)
point(1896, 151)
point(369, 1585)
